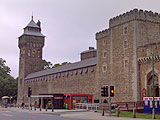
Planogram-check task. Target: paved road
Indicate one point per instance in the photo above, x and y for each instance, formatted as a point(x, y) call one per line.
point(9, 115)
point(19, 114)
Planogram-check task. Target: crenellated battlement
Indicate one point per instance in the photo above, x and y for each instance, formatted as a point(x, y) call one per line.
point(135, 15)
point(102, 34)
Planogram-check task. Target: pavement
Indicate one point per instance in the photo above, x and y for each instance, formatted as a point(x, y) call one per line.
point(80, 114)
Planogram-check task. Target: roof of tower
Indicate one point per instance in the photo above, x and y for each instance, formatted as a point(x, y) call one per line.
point(32, 24)
point(33, 29)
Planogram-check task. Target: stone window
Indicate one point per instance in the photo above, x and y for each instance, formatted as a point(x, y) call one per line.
point(76, 71)
point(104, 54)
point(39, 54)
point(81, 71)
point(49, 78)
point(104, 42)
point(28, 44)
point(59, 75)
point(125, 44)
point(125, 29)
point(126, 63)
point(46, 78)
point(67, 73)
point(104, 67)
point(29, 52)
point(52, 77)
point(86, 70)
point(34, 44)
point(63, 74)
point(92, 69)
point(71, 73)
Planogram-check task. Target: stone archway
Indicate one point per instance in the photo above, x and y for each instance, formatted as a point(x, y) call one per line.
point(150, 85)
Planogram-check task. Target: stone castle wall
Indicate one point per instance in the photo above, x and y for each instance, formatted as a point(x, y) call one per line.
point(61, 83)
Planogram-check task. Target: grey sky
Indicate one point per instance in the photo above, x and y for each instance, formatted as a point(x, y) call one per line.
point(69, 25)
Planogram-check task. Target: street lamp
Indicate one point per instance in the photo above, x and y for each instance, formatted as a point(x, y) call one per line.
point(153, 111)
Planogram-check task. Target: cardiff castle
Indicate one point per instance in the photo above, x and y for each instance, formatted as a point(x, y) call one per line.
point(123, 58)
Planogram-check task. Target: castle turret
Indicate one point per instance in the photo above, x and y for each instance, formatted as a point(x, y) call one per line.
point(30, 44)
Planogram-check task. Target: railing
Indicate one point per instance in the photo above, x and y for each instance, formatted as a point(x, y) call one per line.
point(122, 105)
point(87, 106)
point(127, 105)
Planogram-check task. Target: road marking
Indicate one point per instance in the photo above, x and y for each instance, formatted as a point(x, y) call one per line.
point(6, 115)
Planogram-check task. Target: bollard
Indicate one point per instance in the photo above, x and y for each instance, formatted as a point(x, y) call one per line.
point(46, 107)
point(134, 113)
point(102, 111)
point(40, 108)
point(153, 114)
point(117, 112)
point(35, 108)
point(52, 108)
point(31, 107)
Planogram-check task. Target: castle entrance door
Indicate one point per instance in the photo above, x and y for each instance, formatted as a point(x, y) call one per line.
point(150, 85)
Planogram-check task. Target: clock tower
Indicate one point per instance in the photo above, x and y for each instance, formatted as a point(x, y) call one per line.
point(30, 43)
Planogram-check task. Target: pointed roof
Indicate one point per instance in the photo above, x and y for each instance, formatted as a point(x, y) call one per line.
point(34, 32)
point(32, 24)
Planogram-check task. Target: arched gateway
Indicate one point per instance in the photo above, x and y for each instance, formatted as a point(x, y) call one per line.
point(150, 85)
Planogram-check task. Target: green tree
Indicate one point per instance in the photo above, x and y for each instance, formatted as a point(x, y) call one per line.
point(47, 64)
point(8, 85)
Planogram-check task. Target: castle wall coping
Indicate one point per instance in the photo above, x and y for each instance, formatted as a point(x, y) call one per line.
point(135, 14)
point(102, 34)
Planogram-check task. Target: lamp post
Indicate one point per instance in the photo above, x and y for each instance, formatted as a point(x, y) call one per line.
point(153, 111)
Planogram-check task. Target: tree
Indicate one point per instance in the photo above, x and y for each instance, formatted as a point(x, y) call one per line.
point(8, 85)
point(47, 64)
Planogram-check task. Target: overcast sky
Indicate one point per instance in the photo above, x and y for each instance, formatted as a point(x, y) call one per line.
point(69, 25)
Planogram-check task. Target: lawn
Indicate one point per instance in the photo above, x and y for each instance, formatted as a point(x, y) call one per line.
point(138, 115)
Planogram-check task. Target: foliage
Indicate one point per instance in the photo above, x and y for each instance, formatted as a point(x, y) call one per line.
point(47, 64)
point(8, 85)
point(64, 63)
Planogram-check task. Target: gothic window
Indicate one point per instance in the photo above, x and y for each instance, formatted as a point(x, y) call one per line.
point(126, 63)
point(76, 72)
point(104, 54)
point(34, 45)
point(37, 45)
point(27, 44)
point(31, 44)
point(71, 73)
point(104, 67)
point(63, 74)
point(80, 71)
point(125, 29)
point(33, 53)
point(125, 44)
point(39, 54)
point(104, 42)
point(92, 69)
point(59, 75)
point(67, 73)
point(29, 52)
point(86, 70)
